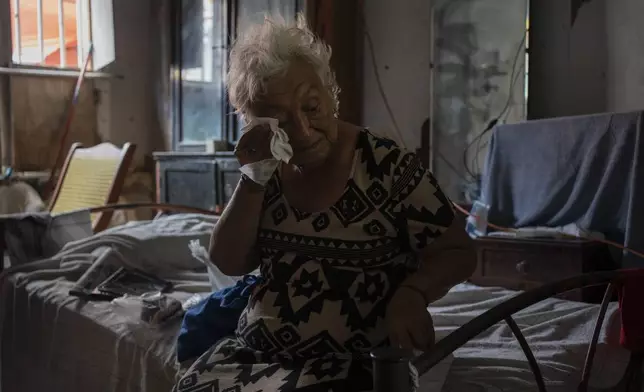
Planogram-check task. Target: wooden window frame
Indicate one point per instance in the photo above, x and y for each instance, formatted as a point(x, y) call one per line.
point(332, 20)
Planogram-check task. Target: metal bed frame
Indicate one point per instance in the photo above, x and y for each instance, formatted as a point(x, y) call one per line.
point(391, 365)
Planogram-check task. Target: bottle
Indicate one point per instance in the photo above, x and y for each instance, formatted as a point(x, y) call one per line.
point(476, 224)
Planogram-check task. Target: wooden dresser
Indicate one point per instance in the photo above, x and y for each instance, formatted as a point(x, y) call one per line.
point(522, 264)
point(203, 180)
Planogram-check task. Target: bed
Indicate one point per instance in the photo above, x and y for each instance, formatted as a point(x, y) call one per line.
point(54, 342)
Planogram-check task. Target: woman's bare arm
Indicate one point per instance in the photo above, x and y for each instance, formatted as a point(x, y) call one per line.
point(448, 261)
point(232, 244)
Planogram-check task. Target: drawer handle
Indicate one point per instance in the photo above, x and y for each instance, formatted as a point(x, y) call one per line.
point(522, 267)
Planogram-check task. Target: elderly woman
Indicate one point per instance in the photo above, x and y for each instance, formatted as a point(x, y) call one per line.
point(353, 237)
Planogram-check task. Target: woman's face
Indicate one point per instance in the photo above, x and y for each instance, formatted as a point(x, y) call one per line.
point(304, 109)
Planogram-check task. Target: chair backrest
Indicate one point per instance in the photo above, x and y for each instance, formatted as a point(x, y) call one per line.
point(92, 177)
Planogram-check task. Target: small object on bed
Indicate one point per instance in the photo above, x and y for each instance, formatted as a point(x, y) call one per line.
point(101, 269)
point(192, 302)
point(91, 296)
point(152, 308)
point(157, 308)
point(126, 281)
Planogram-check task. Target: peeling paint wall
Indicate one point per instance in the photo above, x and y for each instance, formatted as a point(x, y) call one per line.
point(479, 75)
point(38, 107)
point(475, 44)
point(132, 108)
point(117, 110)
point(597, 65)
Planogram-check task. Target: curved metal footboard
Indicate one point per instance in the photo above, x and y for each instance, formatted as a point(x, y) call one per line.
point(504, 312)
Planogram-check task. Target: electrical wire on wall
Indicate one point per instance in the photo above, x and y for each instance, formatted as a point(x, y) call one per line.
point(383, 95)
point(505, 113)
point(376, 72)
point(515, 73)
point(474, 169)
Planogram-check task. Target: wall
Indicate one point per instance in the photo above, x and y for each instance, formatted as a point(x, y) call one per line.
point(473, 60)
point(568, 64)
point(596, 65)
point(401, 42)
point(479, 76)
point(129, 108)
point(38, 106)
point(116, 110)
point(625, 70)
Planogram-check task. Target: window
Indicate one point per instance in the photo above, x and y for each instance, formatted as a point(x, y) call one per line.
point(202, 34)
point(58, 33)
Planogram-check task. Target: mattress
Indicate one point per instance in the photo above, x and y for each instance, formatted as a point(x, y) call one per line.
point(51, 342)
point(54, 342)
point(558, 332)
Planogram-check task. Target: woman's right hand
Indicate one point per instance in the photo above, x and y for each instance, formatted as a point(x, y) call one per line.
point(254, 145)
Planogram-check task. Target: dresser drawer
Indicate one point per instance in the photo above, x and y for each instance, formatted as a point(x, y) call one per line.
point(516, 264)
point(522, 264)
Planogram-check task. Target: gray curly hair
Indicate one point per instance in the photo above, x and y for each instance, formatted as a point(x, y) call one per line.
point(266, 50)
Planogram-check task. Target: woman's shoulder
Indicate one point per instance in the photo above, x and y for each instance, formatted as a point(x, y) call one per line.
point(381, 155)
point(374, 140)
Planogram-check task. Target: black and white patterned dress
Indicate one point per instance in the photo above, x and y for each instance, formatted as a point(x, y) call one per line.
point(327, 279)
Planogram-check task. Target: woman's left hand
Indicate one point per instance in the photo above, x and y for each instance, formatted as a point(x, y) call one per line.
point(408, 321)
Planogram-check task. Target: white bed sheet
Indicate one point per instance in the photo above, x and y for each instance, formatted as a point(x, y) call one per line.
point(53, 342)
point(50, 341)
point(558, 332)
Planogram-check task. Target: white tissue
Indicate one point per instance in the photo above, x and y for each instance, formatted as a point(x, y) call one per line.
point(217, 278)
point(262, 171)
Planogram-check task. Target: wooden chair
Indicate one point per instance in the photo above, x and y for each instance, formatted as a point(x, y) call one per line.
point(92, 177)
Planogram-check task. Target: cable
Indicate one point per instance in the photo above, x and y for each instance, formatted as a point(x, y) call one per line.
point(495, 120)
point(514, 76)
point(509, 230)
point(383, 95)
point(479, 146)
point(514, 70)
point(374, 63)
point(489, 126)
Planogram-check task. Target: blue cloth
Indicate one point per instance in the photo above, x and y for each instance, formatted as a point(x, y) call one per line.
point(213, 318)
point(582, 170)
